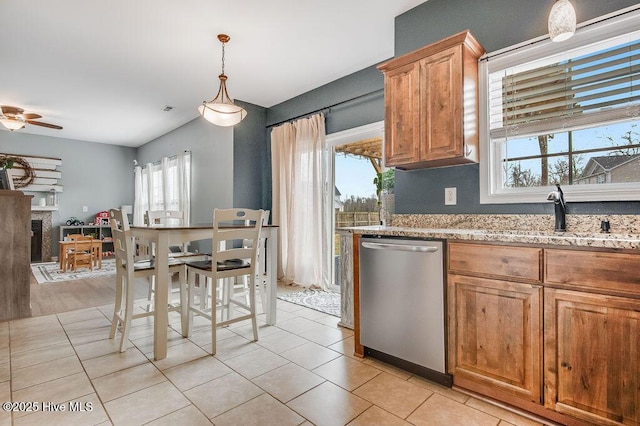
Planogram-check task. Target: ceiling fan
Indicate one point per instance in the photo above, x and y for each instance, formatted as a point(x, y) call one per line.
point(14, 118)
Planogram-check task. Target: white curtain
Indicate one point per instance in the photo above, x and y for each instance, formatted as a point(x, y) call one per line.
point(165, 185)
point(299, 205)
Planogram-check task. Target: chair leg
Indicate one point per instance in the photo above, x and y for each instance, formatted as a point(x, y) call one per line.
point(126, 326)
point(184, 306)
point(228, 286)
point(214, 316)
point(252, 306)
point(152, 284)
point(202, 287)
point(191, 282)
point(118, 306)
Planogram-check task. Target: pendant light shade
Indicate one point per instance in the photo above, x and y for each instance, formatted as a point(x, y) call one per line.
point(221, 111)
point(562, 21)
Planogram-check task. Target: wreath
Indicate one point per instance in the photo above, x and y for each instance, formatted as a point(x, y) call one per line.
point(28, 172)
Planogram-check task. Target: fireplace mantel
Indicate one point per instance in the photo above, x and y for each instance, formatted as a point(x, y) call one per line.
point(44, 208)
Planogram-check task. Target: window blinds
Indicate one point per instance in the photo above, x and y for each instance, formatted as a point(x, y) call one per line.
point(595, 85)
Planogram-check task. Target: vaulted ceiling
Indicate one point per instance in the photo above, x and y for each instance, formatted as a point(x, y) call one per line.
point(106, 70)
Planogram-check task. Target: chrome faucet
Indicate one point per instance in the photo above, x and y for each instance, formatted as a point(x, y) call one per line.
point(560, 208)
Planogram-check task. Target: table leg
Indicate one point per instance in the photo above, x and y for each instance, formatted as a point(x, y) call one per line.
point(161, 314)
point(63, 258)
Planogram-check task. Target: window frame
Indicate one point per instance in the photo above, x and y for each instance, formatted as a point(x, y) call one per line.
point(491, 192)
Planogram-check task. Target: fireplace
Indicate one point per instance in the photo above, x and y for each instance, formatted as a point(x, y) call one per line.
point(41, 247)
point(36, 241)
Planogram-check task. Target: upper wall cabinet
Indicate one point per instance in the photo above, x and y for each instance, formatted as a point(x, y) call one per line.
point(431, 104)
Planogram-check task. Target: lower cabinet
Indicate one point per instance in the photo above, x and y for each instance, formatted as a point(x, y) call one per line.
point(495, 335)
point(582, 312)
point(592, 356)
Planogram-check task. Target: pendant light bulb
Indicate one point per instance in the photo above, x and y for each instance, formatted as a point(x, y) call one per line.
point(562, 21)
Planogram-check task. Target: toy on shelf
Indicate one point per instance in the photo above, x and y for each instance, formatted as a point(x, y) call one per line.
point(74, 221)
point(102, 218)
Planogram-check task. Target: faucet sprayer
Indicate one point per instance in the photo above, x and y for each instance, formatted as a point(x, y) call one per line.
point(557, 197)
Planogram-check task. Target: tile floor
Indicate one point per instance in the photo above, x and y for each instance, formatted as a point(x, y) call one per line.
point(299, 372)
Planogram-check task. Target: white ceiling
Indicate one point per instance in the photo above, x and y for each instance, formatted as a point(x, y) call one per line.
point(105, 70)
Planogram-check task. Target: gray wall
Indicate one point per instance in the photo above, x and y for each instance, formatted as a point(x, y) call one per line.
point(359, 94)
point(251, 160)
point(228, 163)
point(422, 191)
point(95, 175)
point(211, 163)
point(496, 24)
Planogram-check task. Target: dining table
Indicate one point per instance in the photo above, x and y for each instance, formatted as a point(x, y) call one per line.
point(165, 236)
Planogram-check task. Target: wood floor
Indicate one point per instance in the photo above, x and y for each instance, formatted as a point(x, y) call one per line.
point(54, 298)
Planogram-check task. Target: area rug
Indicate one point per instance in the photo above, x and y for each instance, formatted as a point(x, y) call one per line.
point(50, 272)
point(323, 301)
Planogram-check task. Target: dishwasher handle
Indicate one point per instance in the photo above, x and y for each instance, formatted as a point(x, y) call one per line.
point(399, 247)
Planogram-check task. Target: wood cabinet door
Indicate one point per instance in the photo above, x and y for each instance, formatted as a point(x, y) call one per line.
point(402, 115)
point(495, 335)
point(592, 356)
point(441, 105)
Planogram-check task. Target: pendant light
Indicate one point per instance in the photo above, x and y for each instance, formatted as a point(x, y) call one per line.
point(562, 21)
point(221, 111)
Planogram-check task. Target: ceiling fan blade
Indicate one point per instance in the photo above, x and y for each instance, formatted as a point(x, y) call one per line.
point(9, 110)
point(31, 116)
point(40, 123)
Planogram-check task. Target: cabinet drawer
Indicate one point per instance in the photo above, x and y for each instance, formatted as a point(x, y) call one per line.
point(615, 273)
point(514, 263)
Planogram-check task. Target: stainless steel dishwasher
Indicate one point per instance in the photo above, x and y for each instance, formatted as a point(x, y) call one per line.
point(402, 304)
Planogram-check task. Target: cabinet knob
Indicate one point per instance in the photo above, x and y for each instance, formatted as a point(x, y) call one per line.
point(566, 365)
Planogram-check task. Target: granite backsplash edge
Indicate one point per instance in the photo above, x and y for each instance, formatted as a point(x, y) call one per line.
point(626, 224)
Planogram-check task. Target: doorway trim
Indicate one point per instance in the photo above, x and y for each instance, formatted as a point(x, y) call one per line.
point(355, 134)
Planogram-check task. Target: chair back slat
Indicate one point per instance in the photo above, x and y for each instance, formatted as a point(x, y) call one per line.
point(230, 228)
point(164, 217)
point(81, 253)
point(122, 239)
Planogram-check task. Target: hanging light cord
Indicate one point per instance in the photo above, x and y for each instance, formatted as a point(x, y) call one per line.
point(223, 57)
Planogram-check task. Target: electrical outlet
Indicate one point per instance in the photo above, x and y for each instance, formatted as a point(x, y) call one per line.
point(450, 197)
point(85, 209)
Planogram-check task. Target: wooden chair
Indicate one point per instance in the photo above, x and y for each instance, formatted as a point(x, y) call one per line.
point(81, 253)
point(128, 270)
point(168, 217)
point(230, 259)
point(68, 248)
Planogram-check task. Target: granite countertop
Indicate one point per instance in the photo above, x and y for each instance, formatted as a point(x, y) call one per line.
point(579, 239)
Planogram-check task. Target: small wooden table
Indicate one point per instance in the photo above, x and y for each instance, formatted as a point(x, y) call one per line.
point(96, 247)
